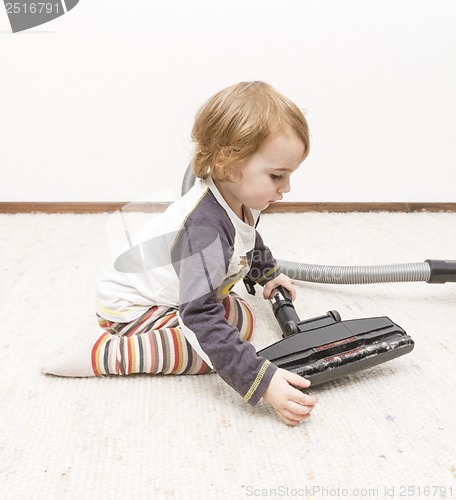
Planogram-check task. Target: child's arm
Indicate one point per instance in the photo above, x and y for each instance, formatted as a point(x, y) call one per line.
point(201, 255)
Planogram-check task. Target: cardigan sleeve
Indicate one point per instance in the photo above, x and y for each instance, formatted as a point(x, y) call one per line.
point(201, 256)
point(263, 266)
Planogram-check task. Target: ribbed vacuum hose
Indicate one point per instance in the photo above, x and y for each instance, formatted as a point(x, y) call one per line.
point(430, 271)
point(356, 275)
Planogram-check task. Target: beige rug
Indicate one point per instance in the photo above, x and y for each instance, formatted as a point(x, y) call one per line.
point(388, 432)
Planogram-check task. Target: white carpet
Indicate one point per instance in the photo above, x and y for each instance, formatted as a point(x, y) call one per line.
point(143, 437)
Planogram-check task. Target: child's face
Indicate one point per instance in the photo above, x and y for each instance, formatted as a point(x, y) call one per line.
point(263, 177)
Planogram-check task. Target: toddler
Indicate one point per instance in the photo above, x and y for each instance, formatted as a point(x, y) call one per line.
point(166, 303)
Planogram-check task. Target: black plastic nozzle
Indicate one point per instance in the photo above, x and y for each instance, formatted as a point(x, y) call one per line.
point(442, 271)
point(284, 311)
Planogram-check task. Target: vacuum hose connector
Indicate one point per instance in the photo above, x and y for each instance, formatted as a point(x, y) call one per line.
point(442, 271)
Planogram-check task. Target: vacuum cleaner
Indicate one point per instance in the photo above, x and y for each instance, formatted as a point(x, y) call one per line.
point(325, 348)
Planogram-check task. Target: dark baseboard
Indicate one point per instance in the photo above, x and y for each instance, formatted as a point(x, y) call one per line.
point(362, 207)
point(80, 207)
point(86, 207)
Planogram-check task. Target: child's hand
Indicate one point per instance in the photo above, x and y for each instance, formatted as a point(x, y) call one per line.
point(281, 279)
point(290, 404)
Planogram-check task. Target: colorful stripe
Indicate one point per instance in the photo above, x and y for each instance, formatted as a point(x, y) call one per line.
point(154, 342)
point(96, 353)
point(239, 314)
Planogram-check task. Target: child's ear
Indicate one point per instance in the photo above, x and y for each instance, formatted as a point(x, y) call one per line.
point(233, 174)
point(220, 162)
point(223, 172)
point(219, 171)
point(222, 155)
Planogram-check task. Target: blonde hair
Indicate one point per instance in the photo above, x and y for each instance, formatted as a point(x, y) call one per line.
point(234, 123)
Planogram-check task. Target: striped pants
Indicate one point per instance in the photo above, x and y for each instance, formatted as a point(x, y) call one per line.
point(154, 343)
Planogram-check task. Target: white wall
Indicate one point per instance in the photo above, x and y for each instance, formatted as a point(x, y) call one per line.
point(98, 104)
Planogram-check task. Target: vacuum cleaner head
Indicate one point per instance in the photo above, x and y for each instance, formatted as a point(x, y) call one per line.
point(325, 348)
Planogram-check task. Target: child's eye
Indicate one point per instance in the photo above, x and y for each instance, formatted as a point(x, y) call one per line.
point(275, 177)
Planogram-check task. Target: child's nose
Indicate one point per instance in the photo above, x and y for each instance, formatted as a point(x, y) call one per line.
point(284, 187)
